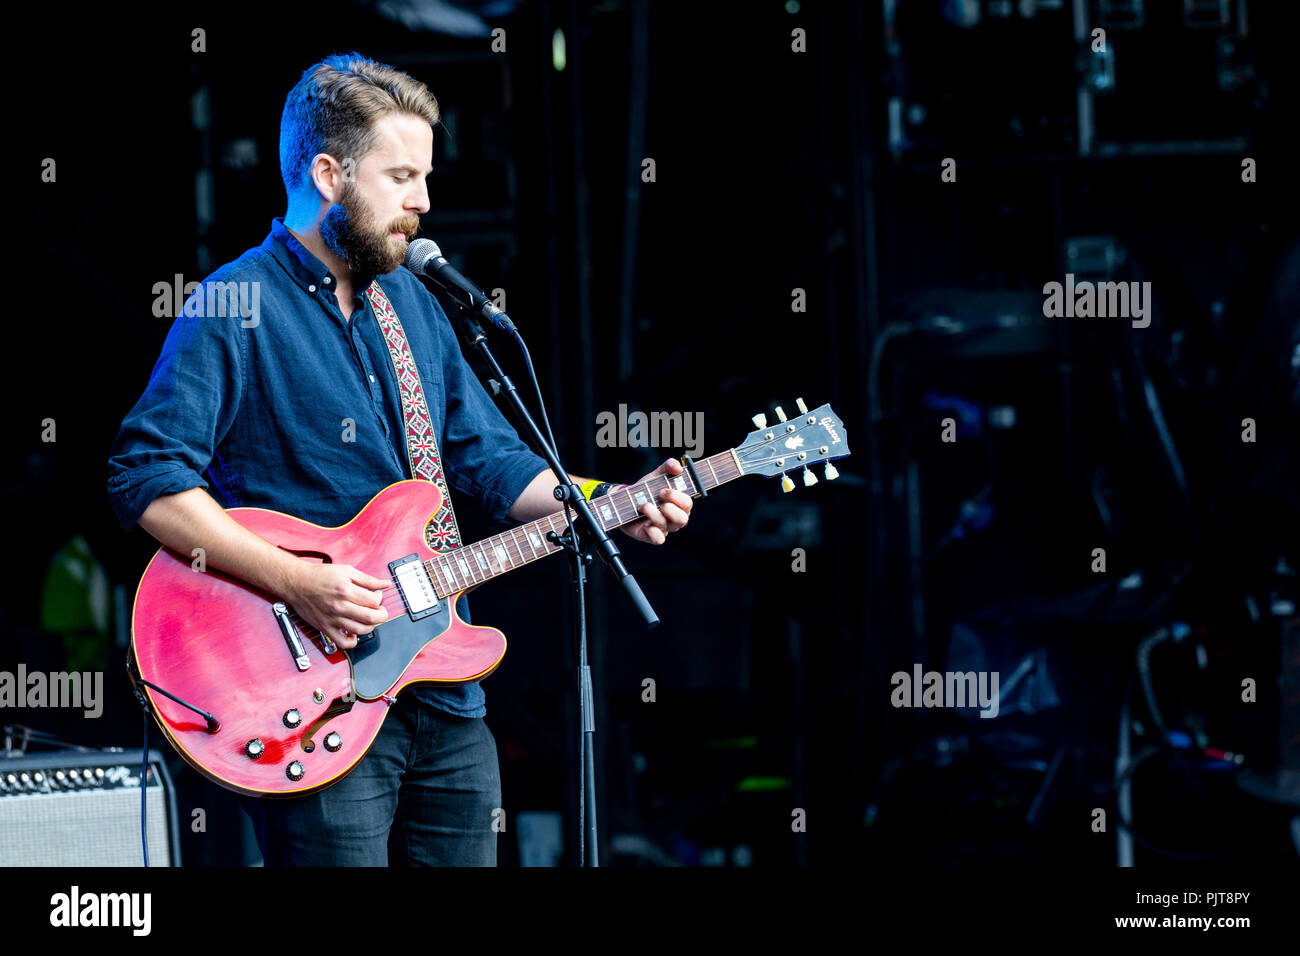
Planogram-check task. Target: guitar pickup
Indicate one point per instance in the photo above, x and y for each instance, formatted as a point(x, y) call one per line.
point(291, 637)
point(414, 585)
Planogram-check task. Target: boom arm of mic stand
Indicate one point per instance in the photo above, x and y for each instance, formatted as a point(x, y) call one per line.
point(605, 546)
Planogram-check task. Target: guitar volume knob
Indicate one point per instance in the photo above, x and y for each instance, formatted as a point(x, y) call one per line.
point(292, 718)
point(294, 771)
point(333, 741)
point(254, 749)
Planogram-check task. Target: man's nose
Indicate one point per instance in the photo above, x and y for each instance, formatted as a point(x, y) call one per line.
point(419, 202)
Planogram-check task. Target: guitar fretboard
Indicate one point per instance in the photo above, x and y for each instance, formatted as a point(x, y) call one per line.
point(455, 570)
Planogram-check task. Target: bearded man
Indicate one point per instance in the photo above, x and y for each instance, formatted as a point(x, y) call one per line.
point(301, 409)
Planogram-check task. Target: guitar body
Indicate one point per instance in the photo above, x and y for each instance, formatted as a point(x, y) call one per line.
point(218, 644)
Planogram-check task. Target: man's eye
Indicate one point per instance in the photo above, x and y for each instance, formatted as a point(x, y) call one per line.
point(401, 179)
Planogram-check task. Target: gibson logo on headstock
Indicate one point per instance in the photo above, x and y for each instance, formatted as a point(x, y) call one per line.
point(829, 424)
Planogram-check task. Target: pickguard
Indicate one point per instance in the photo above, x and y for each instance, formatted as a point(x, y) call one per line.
point(381, 656)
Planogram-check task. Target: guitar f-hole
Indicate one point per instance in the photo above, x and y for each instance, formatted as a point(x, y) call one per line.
point(338, 706)
point(307, 553)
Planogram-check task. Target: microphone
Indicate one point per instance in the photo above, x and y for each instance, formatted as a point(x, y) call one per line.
point(424, 258)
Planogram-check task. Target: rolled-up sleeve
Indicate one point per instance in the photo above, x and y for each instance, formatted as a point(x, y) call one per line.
point(484, 456)
point(169, 437)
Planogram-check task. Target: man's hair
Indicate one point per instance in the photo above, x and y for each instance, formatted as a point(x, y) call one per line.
point(333, 108)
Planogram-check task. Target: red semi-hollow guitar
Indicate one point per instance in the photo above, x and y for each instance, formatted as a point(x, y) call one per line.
point(291, 712)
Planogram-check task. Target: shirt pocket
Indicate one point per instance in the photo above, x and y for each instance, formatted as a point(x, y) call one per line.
point(431, 380)
point(434, 397)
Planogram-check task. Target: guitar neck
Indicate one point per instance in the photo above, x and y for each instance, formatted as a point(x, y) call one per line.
point(460, 568)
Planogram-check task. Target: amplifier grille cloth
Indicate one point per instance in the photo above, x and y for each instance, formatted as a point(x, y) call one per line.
point(91, 828)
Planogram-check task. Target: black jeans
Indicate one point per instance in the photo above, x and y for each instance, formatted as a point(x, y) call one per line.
point(428, 793)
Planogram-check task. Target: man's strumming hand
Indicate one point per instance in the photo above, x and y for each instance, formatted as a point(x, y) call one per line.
point(338, 599)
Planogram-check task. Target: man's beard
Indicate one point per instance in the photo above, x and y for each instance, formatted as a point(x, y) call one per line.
point(350, 231)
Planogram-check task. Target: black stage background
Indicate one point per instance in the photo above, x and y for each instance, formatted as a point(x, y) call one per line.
point(920, 171)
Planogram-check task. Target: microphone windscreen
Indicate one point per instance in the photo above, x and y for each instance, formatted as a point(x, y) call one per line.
point(419, 252)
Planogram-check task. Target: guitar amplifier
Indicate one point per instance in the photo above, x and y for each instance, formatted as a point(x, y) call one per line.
point(83, 809)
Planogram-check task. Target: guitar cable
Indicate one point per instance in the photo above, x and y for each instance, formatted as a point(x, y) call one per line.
point(144, 770)
point(143, 701)
point(213, 726)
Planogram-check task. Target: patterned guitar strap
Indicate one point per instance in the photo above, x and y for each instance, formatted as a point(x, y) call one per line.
point(421, 446)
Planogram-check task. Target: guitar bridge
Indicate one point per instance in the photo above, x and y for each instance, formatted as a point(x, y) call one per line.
point(415, 586)
point(291, 637)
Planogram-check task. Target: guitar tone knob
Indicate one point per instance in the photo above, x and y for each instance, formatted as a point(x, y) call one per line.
point(333, 741)
point(254, 749)
point(292, 718)
point(294, 771)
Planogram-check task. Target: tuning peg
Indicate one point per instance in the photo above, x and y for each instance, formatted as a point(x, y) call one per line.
point(808, 477)
point(803, 409)
point(831, 473)
point(786, 483)
point(780, 414)
point(759, 420)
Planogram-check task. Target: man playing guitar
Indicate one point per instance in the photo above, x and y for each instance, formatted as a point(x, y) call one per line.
point(307, 408)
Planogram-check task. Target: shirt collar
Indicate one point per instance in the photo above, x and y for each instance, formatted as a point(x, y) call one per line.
point(308, 271)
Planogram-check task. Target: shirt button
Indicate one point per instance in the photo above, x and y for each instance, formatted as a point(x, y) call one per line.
point(372, 378)
point(311, 288)
point(326, 280)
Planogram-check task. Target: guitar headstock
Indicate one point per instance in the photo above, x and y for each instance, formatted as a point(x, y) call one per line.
point(792, 444)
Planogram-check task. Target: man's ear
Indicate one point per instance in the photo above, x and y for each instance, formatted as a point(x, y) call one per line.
point(327, 177)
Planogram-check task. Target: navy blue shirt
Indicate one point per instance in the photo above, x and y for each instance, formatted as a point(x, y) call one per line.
point(284, 404)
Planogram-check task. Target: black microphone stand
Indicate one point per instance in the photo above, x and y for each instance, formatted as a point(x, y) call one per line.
point(571, 495)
